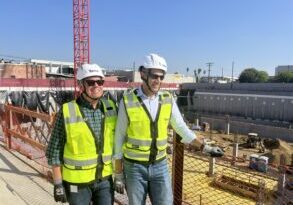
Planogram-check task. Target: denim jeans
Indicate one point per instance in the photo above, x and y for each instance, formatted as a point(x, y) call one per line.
point(151, 179)
point(99, 193)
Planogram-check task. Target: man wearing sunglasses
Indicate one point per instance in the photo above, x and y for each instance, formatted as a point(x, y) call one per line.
point(81, 144)
point(141, 137)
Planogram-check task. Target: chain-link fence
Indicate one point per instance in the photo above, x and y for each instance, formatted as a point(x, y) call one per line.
point(201, 180)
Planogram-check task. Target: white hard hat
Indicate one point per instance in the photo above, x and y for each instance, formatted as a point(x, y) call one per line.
point(154, 61)
point(89, 70)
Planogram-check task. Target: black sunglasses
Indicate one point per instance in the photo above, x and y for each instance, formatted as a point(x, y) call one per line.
point(92, 82)
point(155, 76)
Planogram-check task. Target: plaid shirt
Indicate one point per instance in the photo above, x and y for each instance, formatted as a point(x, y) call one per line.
point(54, 152)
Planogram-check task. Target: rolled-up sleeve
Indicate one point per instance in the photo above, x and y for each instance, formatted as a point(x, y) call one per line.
point(55, 149)
point(180, 126)
point(120, 131)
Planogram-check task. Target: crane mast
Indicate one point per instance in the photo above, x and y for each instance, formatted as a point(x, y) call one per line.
point(81, 34)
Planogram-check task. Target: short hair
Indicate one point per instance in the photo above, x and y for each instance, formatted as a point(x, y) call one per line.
point(141, 68)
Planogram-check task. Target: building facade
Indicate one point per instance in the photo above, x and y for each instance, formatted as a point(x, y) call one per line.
point(282, 68)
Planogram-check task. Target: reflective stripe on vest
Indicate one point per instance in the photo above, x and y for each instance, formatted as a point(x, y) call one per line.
point(139, 135)
point(139, 155)
point(80, 163)
point(146, 142)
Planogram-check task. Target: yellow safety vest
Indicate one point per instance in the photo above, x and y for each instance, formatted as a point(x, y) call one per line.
point(142, 131)
point(84, 160)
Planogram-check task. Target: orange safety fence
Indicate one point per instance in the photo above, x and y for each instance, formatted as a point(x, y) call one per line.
point(28, 132)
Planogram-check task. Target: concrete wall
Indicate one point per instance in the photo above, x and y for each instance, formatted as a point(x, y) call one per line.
point(285, 89)
point(244, 128)
point(265, 107)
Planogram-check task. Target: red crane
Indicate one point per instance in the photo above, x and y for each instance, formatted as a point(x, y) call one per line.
point(81, 34)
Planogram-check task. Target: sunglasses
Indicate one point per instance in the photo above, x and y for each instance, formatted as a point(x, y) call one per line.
point(93, 82)
point(155, 76)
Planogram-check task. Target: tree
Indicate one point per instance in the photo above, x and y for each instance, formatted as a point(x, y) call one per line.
point(251, 75)
point(262, 76)
point(284, 77)
point(197, 74)
point(187, 70)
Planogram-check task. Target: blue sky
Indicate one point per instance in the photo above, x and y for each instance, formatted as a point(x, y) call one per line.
point(188, 33)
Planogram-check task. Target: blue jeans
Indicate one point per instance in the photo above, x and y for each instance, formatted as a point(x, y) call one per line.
point(151, 179)
point(99, 193)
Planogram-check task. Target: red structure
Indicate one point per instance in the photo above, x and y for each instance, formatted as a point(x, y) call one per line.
point(81, 33)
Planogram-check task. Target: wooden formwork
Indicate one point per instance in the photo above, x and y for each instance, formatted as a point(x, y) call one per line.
point(243, 188)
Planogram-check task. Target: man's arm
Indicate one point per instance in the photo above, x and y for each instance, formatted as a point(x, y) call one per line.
point(54, 154)
point(55, 148)
point(181, 128)
point(120, 133)
point(57, 176)
point(189, 136)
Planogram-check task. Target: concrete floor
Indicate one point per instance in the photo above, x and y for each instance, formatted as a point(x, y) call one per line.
point(20, 183)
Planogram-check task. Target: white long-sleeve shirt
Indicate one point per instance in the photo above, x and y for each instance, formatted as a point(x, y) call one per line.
point(151, 104)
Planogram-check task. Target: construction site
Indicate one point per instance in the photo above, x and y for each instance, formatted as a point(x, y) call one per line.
point(256, 168)
point(251, 122)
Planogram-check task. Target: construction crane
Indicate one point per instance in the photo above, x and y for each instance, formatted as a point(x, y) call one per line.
point(81, 35)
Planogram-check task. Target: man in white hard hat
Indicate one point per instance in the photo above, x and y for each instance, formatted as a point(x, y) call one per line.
point(81, 144)
point(141, 137)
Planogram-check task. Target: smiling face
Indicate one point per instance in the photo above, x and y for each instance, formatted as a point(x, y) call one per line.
point(93, 87)
point(154, 78)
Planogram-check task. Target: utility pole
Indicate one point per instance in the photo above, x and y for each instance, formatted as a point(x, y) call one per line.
point(209, 64)
point(232, 75)
point(133, 66)
point(222, 73)
point(232, 71)
point(133, 72)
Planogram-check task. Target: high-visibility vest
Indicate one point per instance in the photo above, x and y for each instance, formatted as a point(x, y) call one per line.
point(142, 131)
point(85, 161)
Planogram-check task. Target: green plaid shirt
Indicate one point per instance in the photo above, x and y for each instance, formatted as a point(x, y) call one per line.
point(93, 117)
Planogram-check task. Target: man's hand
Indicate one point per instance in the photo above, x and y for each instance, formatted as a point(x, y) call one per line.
point(212, 151)
point(119, 183)
point(59, 193)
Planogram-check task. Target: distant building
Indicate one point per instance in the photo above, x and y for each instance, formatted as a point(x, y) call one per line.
point(169, 78)
point(128, 75)
point(21, 70)
point(121, 75)
point(55, 67)
point(282, 68)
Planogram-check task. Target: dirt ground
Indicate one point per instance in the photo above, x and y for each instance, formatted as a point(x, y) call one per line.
point(226, 142)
